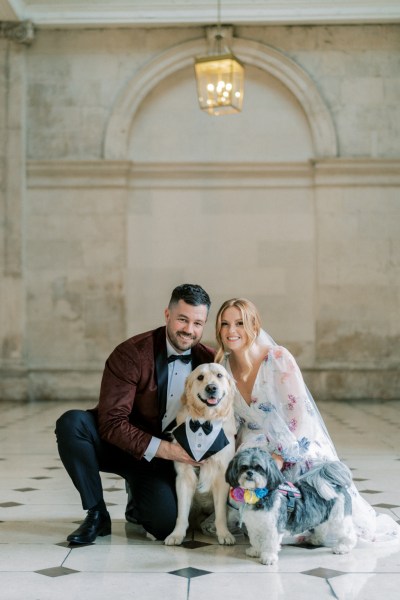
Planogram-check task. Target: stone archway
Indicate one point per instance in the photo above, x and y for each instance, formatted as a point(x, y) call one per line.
point(117, 134)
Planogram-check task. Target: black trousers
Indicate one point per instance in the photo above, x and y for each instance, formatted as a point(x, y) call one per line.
point(84, 455)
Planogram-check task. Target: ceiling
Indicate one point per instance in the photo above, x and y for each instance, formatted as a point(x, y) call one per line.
point(162, 13)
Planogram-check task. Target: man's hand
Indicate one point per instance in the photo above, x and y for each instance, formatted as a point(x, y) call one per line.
point(171, 451)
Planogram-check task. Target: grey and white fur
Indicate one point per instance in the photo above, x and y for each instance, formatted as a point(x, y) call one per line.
point(324, 507)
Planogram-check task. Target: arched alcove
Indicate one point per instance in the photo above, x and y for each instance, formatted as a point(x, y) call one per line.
point(285, 70)
point(169, 126)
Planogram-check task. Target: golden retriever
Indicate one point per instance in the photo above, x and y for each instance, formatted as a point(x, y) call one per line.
point(207, 401)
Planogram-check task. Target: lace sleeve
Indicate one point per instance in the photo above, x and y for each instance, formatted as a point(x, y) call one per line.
point(290, 422)
point(303, 436)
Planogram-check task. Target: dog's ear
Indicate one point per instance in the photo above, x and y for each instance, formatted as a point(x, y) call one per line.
point(187, 389)
point(231, 475)
point(232, 384)
point(272, 472)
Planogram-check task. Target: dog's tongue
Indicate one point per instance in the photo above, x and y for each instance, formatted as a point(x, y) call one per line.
point(212, 400)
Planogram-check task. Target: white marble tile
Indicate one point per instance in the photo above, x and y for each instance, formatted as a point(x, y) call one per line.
point(265, 584)
point(370, 587)
point(30, 557)
point(127, 565)
point(94, 586)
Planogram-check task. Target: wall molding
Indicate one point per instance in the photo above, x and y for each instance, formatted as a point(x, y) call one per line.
point(48, 13)
point(83, 384)
point(59, 174)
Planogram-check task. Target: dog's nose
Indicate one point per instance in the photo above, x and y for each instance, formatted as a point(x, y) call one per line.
point(249, 473)
point(211, 388)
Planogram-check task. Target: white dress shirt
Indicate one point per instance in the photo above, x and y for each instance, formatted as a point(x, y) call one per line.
point(178, 371)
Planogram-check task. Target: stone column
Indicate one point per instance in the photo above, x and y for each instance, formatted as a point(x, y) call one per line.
point(13, 39)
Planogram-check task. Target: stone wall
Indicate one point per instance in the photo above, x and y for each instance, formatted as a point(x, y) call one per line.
point(115, 188)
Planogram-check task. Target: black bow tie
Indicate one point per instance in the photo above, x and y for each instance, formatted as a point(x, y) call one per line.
point(186, 358)
point(206, 426)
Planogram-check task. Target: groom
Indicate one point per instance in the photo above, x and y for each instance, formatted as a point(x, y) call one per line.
point(127, 432)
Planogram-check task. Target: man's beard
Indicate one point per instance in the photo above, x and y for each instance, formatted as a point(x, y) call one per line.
point(182, 341)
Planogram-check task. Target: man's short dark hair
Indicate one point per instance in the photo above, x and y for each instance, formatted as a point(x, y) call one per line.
point(191, 294)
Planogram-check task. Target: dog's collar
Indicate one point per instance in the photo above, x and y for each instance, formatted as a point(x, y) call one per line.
point(246, 496)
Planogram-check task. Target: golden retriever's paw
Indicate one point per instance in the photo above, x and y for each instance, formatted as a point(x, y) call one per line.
point(225, 538)
point(174, 539)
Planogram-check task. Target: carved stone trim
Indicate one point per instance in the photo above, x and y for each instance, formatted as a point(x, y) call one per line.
point(42, 174)
point(49, 13)
point(21, 33)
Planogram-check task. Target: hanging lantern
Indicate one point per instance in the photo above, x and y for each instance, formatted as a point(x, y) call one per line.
point(220, 74)
point(220, 83)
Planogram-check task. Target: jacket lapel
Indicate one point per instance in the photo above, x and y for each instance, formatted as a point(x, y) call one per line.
point(160, 360)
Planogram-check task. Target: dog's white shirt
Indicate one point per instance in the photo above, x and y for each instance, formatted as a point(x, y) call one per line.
point(198, 442)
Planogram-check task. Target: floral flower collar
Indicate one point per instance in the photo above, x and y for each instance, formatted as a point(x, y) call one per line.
point(246, 496)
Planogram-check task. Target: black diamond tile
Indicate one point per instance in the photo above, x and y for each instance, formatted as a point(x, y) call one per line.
point(189, 572)
point(71, 545)
point(370, 491)
point(192, 544)
point(52, 468)
point(112, 490)
point(324, 573)
point(359, 479)
point(10, 504)
point(384, 505)
point(305, 546)
point(56, 571)
point(25, 489)
point(63, 544)
point(41, 477)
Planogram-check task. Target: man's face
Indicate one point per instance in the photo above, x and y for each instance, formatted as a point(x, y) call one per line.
point(185, 324)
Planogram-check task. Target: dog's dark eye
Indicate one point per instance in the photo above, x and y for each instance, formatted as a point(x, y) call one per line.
point(219, 375)
point(200, 377)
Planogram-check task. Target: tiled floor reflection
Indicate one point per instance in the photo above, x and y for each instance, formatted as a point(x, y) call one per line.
point(39, 508)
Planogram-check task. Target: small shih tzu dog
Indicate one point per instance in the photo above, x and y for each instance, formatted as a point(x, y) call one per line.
point(318, 501)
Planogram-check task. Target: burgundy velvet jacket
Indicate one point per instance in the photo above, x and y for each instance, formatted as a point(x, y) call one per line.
point(133, 390)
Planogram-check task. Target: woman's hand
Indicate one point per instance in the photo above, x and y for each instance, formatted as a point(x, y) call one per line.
point(278, 459)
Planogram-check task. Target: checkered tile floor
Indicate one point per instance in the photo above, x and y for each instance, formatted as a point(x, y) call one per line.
point(39, 508)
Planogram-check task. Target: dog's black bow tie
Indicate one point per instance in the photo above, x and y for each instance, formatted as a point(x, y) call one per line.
point(186, 358)
point(206, 426)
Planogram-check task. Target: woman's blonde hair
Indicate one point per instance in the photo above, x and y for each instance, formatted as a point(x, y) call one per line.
point(251, 323)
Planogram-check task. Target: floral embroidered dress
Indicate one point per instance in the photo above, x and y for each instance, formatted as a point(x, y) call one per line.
point(284, 418)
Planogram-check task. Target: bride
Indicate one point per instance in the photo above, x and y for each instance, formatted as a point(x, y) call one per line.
point(275, 409)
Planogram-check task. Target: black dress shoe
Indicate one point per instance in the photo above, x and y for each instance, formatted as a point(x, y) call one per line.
point(96, 523)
